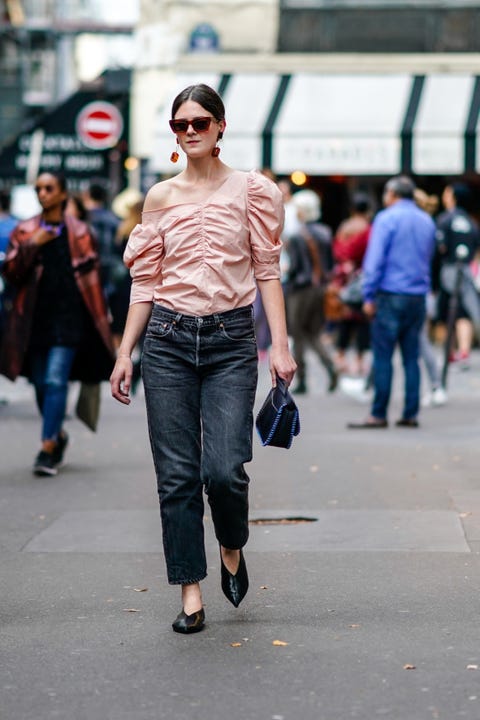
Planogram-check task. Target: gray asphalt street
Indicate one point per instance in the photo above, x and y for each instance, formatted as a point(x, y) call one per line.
point(368, 608)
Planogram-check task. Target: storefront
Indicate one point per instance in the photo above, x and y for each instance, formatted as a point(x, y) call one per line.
point(85, 138)
point(343, 130)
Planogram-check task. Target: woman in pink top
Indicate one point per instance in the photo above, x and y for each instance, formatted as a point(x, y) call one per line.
point(207, 236)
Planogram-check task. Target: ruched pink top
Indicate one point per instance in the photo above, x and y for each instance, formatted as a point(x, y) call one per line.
point(203, 257)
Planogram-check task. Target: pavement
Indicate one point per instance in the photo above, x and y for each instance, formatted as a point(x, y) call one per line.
point(363, 560)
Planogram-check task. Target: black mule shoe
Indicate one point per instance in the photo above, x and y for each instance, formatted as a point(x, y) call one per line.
point(189, 623)
point(235, 586)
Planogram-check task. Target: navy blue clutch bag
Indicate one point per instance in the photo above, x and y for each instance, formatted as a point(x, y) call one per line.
point(278, 420)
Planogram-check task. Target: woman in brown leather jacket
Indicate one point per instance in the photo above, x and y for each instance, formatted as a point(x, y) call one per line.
point(57, 327)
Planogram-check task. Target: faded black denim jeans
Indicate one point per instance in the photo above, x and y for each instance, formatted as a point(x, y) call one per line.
point(200, 379)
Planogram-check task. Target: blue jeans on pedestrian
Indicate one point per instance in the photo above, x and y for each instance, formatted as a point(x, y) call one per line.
point(50, 372)
point(200, 378)
point(398, 319)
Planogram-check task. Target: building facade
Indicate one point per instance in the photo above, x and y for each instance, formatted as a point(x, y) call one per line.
point(40, 65)
point(347, 92)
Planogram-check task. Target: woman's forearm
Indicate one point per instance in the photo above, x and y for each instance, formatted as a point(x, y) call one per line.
point(137, 318)
point(281, 361)
point(274, 306)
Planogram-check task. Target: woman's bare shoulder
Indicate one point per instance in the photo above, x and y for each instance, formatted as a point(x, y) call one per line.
point(159, 196)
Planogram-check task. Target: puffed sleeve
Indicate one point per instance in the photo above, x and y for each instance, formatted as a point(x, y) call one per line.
point(143, 255)
point(265, 216)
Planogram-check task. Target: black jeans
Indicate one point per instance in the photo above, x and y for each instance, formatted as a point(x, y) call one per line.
point(200, 379)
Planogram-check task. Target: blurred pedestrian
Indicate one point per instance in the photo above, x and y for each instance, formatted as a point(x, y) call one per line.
point(121, 280)
point(122, 283)
point(57, 328)
point(76, 207)
point(397, 268)
point(436, 395)
point(105, 225)
point(309, 255)
point(7, 222)
point(207, 234)
point(456, 228)
point(291, 225)
point(349, 247)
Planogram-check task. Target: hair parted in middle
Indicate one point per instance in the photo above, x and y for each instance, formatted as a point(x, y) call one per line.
point(205, 96)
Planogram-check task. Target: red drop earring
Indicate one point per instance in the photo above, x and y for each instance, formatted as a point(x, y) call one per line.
point(174, 156)
point(216, 149)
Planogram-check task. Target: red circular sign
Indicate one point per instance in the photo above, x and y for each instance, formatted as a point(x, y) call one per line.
point(99, 125)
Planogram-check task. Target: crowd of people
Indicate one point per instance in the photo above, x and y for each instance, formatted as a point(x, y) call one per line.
point(320, 268)
point(394, 277)
point(215, 269)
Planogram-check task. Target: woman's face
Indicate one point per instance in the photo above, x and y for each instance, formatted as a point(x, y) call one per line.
point(197, 144)
point(50, 194)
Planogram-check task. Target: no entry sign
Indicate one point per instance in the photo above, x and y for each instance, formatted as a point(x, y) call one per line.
point(99, 125)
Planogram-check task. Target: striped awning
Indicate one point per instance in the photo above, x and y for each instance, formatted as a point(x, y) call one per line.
point(339, 124)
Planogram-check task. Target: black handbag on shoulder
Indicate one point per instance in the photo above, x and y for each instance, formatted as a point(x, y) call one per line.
point(278, 420)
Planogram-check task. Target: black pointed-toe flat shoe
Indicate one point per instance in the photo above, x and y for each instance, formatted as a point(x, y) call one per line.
point(189, 623)
point(235, 586)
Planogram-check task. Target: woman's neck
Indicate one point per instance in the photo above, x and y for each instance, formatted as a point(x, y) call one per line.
point(55, 215)
point(205, 170)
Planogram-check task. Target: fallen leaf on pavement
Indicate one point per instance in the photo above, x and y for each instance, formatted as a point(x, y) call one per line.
point(280, 643)
point(130, 610)
point(236, 644)
point(263, 587)
point(472, 667)
point(354, 626)
point(409, 667)
point(140, 589)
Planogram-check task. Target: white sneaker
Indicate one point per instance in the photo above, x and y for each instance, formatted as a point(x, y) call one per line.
point(435, 398)
point(355, 388)
point(427, 400)
point(439, 396)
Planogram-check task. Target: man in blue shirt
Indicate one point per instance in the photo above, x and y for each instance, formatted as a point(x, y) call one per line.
point(396, 280)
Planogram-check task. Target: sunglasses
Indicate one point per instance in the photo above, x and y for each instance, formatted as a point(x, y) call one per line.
point(199, 124)
point(47, 188)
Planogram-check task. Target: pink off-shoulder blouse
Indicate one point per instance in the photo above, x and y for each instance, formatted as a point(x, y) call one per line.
point(203, 258)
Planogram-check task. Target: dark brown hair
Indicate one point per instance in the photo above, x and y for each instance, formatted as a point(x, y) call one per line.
point(204, 96)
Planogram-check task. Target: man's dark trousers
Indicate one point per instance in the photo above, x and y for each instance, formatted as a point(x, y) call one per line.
point(398, 319)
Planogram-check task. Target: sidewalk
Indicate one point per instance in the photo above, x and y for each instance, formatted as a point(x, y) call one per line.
point(368, 608)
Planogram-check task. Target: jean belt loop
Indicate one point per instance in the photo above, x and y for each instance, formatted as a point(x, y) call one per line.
point(177, 319)
point(218, 320)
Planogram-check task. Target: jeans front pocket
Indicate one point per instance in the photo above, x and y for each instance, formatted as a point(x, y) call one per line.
point(238, 328)
point(159, 328)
